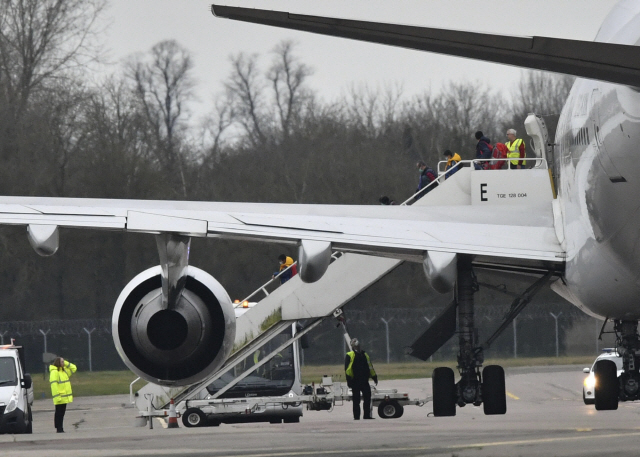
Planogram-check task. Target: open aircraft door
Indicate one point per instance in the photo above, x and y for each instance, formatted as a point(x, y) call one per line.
point(537, 129)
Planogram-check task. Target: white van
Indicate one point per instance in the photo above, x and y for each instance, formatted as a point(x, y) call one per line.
point(16, 391)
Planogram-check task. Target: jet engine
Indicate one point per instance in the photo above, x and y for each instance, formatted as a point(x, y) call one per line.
point(177, 346)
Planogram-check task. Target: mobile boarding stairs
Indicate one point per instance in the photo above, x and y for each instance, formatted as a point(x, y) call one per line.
point(295, 300)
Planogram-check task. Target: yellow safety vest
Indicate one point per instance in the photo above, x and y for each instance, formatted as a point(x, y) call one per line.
point(352, 356)
point(514, 151)
point(60, 385)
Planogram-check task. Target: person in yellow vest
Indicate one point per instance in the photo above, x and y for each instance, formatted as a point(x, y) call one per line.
point(516, 150)
point(59, 373)
point(358, 369)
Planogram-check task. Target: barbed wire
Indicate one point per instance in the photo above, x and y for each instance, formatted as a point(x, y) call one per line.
point(55, 327)
point(392, 315)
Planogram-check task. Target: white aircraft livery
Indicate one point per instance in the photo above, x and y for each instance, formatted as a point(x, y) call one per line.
point(586, 238)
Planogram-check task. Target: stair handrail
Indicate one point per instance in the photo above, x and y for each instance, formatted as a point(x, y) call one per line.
point(442, 174)
point(424, 190)
point(335, 255)
point(541, 160)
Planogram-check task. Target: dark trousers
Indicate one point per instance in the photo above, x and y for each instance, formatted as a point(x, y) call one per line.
point(59, 416)
point(365, 388)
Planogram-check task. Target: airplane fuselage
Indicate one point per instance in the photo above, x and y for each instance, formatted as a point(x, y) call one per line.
point(597, 157)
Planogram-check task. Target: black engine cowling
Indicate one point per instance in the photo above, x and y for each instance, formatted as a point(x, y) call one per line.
point(174, 347)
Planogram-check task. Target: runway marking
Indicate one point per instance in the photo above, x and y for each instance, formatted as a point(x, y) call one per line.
point(372, 451)
point(510, 395)
point(584, 430)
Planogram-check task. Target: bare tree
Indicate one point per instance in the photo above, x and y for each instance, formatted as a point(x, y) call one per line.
point(540, 93)
point(163, 87)
point(287, 76)
point(246, 92)
point(42, 39)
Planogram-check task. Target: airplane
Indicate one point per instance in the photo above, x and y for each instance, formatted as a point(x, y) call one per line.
point(587, 239)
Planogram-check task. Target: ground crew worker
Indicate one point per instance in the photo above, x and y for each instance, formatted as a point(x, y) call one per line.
point(516, 150)
point(59, 373)
point(358, 369)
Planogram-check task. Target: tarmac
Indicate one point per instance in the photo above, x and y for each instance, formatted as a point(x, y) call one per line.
point(545, 417)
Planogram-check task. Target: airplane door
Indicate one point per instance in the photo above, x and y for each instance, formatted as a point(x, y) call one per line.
point(606, 162)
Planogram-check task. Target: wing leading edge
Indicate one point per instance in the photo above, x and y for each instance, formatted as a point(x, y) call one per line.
point(397, 231)
point(610, 62)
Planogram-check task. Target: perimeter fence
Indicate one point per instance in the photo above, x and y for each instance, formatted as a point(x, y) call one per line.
point(384, 332)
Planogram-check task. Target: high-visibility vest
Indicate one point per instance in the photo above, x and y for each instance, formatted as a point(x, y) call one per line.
point(60, 385)
point(514, 150)
point(352, 356)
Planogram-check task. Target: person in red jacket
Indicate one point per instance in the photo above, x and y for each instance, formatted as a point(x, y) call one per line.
point(427, 176)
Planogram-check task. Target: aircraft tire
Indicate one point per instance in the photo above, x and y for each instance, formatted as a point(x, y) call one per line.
point(444, 392)
point(606, 389)
point(494, 398)
point(194, 417)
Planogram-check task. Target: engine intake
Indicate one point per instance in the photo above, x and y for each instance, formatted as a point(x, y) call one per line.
point(174, 347)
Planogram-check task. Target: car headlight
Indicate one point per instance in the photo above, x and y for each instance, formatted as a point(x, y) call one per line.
point(590, 382)
point(13, 404)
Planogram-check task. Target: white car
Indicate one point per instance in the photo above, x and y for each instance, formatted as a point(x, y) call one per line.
point(588, 388)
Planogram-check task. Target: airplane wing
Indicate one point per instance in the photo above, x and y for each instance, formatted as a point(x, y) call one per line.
point(610, 62)
point(522, 234)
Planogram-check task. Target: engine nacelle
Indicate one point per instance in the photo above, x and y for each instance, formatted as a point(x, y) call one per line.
point(174, 347)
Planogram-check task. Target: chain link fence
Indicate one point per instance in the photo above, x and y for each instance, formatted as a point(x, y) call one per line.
point(384, 332)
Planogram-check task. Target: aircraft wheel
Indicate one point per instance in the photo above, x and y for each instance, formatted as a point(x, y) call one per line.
point(606, 389)
point(194, 417)
point(494, 396)
point(444, 392)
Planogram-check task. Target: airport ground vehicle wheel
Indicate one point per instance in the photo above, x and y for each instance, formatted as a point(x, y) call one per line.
point(291, 420)
point(444, 392)
point(587, 401)
point(390, 410)
point(275, 421)
point(29, 428)
point(606, 389)
point(194, 417)
point(494, 396)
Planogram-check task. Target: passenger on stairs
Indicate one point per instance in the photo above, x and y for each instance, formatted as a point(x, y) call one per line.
point(452, 160)
point(285, 262)
point(483, 151)
point(427, 176)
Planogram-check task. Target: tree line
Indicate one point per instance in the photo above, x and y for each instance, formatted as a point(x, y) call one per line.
point(66, 131)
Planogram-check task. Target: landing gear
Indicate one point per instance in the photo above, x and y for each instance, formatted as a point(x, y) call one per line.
point(475, 386)
point(493, 390)
point(611, 388)
point(444, 392)
point(606, 389)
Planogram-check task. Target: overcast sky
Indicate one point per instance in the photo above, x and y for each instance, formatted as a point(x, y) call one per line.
point(136, 25)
